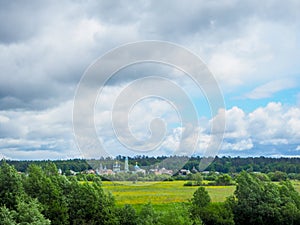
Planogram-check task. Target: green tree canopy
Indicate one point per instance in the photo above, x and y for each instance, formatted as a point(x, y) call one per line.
point(11, 187)
point(262, 202)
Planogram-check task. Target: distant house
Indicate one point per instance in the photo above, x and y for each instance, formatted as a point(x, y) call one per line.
point(138, 169)
point(91, 172)
point(184, 172)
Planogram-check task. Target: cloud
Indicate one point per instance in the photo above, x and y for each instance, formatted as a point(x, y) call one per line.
point(46, 47)
point(22, 134)
point(269, 89)
point(52, 47)
point(238, 146)
point(274, 125)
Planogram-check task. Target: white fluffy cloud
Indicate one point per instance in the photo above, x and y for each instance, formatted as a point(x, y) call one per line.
point(272, 125)
point(37, 135)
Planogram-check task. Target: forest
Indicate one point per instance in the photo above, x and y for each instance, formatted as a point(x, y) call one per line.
point(42, 196)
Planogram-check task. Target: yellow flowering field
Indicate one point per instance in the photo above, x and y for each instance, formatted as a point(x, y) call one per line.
point(161, 192)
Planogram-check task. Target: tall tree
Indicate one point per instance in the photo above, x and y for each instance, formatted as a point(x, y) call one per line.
point(90, 205)
point(39, 185)
point(210, 213)
point(11, 187)
point(262, 202)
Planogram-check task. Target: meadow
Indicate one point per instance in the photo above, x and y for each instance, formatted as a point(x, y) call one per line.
point(164, 195)
point(167, 194)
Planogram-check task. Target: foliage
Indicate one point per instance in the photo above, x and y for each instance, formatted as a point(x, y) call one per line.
point(210, 213)
point(127, 215)
point(43, 185)
point(30, 213)
point(25, 214)
point(7, 216)
point(148, 216)
point(90, 204)
point(259, 202)
point(189, 183)
point(217, 214)
point(10, 186)
point(43, 196)
point(178, 215)
point(224, 179)
point(200, 198)
point(277, 176)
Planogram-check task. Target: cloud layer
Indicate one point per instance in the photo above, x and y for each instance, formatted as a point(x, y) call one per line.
point(252, 48)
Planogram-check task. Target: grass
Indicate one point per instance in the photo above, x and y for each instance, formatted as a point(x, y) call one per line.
point(168, 192)
point(164, 195)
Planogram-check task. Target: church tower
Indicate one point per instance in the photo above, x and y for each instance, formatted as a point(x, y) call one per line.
point(126, 164)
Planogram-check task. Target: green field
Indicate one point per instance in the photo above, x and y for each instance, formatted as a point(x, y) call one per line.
point(164, 195)
point(158, 193)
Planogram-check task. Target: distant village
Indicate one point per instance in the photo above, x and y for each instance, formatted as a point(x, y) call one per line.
point(118, 167)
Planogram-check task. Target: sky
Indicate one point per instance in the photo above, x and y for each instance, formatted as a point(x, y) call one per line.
point(252, 48)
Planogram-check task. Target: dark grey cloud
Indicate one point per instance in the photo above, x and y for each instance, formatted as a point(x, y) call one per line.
point(117, 12)
point(217, 19)
point(41, 61)
point(21, 20)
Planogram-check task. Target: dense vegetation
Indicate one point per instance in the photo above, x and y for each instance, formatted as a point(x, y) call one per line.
point(42, 196)
point(255, 201)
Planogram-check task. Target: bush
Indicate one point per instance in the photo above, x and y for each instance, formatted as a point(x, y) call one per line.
point(278, 176)
point(189, 183)
point(224, 179)
point(217, 214)
point(148, 216)
point(127, 215)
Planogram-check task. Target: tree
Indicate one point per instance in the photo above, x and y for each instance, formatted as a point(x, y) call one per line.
point(254, 201)
point(30, 213)
point(224, 179)
point(11, 187)
point(25, 214)
point(197, 177)
point(290, 203)
point(201, 198)
point(278, 176)
point(90, 205)
point(7, 216)
point(262, 202)
point(148, 216)
point(210, 213)
point(178, 215)
point(127, 215)
point(43, 185)
point(217, 214)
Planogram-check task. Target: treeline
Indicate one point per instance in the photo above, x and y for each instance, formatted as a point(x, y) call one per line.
point(255, 164)
point(220, 164)
point(78, 165)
